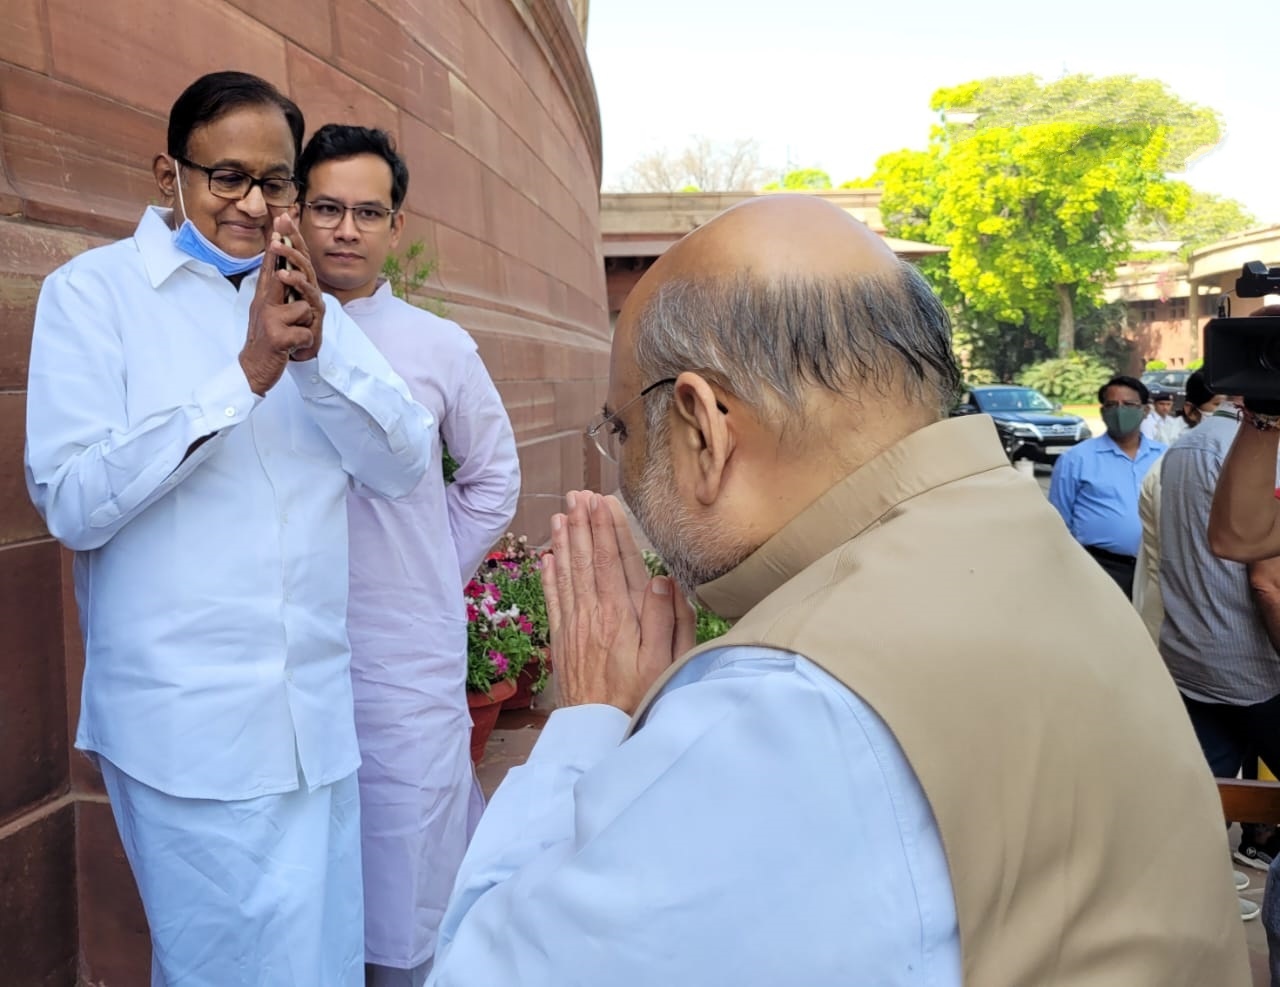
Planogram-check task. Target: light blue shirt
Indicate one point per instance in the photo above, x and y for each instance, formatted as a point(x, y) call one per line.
point(212, 587)
point(762, 828)
point(1095, 488)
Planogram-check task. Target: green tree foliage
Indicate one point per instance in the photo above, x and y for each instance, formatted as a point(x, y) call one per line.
point(801, 180)
point(1033, 187)
point(409, 273)
point(1001, 349)
point(1074, 379)
point(1157, 365)
point(1202, 219)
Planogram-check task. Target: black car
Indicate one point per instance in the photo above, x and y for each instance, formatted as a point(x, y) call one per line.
point(1171, 382)
point(1030, 425)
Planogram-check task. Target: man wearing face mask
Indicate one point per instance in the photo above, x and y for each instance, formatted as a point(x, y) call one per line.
point(1161, 424)
point(1095, 484)
point(195, 419)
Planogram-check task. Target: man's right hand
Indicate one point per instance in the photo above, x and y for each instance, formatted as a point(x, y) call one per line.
point(276, 329)
point(614, 630)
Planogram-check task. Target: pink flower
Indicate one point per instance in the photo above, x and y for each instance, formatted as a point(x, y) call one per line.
point(472, 614)
point(500, 663)
point(526, 625)
point(473, 589)
point(493, 592)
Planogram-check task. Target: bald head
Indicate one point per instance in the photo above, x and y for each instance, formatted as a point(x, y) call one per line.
point(784, 295)
point(777, 235)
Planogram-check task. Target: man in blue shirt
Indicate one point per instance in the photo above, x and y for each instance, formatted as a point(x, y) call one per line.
point(1095, 484)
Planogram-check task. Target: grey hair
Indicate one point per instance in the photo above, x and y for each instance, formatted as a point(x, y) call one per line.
point(773, 338)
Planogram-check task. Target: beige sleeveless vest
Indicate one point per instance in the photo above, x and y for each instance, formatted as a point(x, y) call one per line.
point(1082, 829)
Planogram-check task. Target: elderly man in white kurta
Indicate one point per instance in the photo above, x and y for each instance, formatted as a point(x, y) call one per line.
point(409, 561)
point(192, 433)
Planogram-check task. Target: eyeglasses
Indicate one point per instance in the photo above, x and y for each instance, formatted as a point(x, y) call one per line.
point(327, 215)
point(228, 183)
point(607, 432)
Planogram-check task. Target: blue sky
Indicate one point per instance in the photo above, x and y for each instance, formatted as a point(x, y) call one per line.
point(835, 83)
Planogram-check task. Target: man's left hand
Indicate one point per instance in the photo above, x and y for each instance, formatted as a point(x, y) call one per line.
point(613, 629)
point(301, 279)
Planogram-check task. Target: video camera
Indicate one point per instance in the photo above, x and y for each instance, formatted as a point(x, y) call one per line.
point(1242, 356)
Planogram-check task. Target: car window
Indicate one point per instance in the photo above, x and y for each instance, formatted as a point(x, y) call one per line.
point(1013, 399)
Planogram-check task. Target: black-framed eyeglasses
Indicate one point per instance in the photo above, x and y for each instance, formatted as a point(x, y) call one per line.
point(328, 215)
point(607, 431)
point(229, 183)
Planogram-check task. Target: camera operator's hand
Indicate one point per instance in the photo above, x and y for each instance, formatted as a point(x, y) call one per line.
point(1244, 524)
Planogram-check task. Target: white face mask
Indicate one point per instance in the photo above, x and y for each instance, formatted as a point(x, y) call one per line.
point(191, 241)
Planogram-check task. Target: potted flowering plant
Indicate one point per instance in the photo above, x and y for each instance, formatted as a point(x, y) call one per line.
point(506, 634)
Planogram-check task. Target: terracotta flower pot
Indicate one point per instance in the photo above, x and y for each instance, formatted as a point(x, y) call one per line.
point(485, 707)
point(523, 698)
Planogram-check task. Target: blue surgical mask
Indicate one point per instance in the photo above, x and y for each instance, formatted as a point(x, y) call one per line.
point(191, 241)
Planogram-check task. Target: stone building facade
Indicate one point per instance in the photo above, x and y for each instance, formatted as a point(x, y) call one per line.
point(1167, 304)
point(493, 104)
point(637, 227)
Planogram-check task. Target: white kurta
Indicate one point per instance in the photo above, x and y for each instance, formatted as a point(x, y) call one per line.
point(211, 584)
point(406, 618)
point(762, 828)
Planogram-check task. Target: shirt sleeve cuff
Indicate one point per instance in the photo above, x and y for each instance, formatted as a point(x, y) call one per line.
point(321, 377)
point(580, 736)
point(226, 399)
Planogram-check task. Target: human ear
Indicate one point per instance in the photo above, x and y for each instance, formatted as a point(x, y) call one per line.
point(703, 433)
point(166, 175)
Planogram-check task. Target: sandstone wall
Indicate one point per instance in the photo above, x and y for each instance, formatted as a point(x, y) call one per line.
point(492, 103)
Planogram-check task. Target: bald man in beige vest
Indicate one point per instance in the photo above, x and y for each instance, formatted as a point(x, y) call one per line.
point(936, 747)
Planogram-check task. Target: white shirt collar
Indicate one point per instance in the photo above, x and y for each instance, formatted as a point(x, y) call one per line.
point(370, 303)
point(160, 257)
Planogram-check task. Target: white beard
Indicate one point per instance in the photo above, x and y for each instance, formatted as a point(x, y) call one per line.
point(695, 551)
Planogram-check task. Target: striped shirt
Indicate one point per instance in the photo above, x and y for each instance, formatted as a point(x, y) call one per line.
point(1212, 639)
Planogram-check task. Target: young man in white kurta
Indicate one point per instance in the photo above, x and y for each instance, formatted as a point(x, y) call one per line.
point(409, 561)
